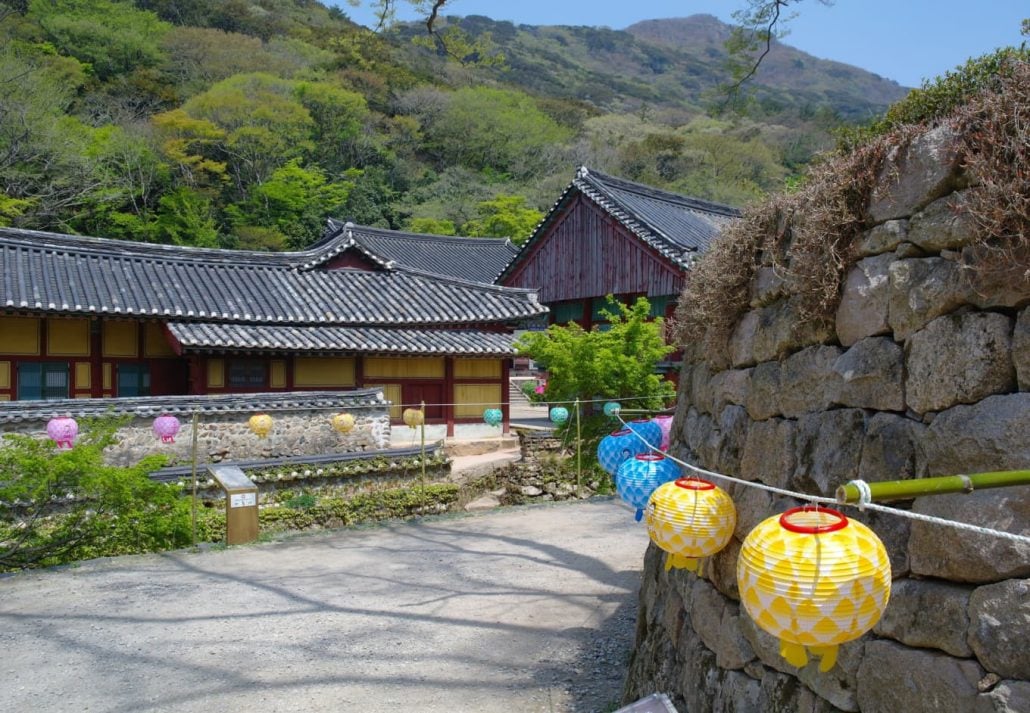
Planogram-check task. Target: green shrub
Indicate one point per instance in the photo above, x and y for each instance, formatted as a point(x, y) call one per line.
point(61, 506)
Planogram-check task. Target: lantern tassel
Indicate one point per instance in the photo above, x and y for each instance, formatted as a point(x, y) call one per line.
point(794, 653)
point(691, 564)
point(827, 655)
point(639, 515)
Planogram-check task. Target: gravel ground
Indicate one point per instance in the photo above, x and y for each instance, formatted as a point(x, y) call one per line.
point(524, 609)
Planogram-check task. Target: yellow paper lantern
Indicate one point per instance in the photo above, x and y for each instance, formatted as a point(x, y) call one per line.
point(414, 417)
point(690, 518)
point(814, 579)
point(343, 422)
point(261, 424)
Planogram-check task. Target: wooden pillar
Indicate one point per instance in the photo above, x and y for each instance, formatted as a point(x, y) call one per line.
point(359, 371)
point(448, 394)
point(96, 359)
point(505, 396)
point(197, 376)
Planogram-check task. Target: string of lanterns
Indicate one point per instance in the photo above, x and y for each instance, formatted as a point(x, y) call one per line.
point(63, 430)
point(810, 577)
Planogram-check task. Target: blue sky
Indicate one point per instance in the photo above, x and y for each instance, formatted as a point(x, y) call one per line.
point(904, 40)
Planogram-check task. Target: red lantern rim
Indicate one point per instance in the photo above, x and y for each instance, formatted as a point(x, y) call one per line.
point(641, 420)
point(622, 432)
point(649, 457)
point(694, 484)
point(840, 523)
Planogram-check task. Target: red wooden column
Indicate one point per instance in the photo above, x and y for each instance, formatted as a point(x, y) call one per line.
point(505, 396)
point(448, 394)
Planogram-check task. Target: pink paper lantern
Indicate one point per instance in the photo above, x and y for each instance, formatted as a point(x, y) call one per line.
point(664, 423)
point(165, 427)
point(62, 431)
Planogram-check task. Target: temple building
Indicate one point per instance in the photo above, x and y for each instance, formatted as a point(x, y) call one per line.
point(412, 315)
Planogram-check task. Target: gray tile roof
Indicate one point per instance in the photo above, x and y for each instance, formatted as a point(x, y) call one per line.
point(202, 336)
point(149, 406)
point(93, 276)
point(677, 226)
point(477, 259)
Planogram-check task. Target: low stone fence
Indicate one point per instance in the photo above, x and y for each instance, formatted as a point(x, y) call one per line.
point(301, 424)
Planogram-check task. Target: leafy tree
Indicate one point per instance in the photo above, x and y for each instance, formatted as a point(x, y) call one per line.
point(340, 117)
point(185, 218)
point(264, 125)
point(504, 217)
point(429, 226)
point(58, 507)
point(494, 129)
point(294, 202)
point(616, 362)
point(111, 37)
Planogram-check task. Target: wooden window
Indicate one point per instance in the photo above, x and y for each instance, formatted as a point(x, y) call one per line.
point(133, 379)
point(42, 380)
point(247, 373)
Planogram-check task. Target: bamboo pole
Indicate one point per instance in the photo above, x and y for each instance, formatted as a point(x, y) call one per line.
point(918, 487)
point(193, 463)
point(579, 453)
point(422, 428)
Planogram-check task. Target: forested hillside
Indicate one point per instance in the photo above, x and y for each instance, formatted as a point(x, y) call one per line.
point(245, 123)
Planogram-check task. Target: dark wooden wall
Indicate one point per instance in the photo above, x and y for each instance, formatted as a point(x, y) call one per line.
point(587, 253)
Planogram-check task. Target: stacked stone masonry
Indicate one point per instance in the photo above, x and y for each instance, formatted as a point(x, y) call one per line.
point(925, 372)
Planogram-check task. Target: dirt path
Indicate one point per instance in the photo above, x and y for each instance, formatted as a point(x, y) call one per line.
point(528, 609)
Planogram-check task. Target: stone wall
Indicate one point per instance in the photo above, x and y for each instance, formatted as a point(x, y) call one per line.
point(301, 424)
point(925, 371)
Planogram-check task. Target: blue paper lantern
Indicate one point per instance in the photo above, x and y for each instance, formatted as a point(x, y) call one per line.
point(617, 447)
point(648, 430)
point(493, 416)
point(559, 415)
point(612, 409)
point(640, 476)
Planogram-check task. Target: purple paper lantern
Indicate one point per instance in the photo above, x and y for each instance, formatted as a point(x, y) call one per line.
point(165, 427)
point(62, 431)
point(665, 423)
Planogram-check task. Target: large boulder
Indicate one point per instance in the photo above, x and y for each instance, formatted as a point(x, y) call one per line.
point(882, 238)
point(959, 358)
point(767, 286)
point(769, 452)
point(870, 375)
point(838, 685)
point(894, 678)
point(959, 555)
point(986, 436)
point(1021, 349)
point(742, 340)
point(808, 381)
point(1005, 697)
point(922, 289)
point(945, 224)
point(763, 395)
point(865, 299)
point(999, 625)
point(928, 614)
point(828, 450)
point(781, 331)
point(729, 386)
point(917, 174)
point(717, 621)
point(891, 450)
point(732, 434)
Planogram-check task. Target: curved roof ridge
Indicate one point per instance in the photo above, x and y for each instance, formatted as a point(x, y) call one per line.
point(602, 181)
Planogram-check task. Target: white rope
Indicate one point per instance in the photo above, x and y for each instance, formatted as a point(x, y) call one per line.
point(818, 499)
point(865, 493)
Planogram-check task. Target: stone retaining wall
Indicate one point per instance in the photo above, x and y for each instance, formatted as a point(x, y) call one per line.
point(301, 424)
point(925, 371)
